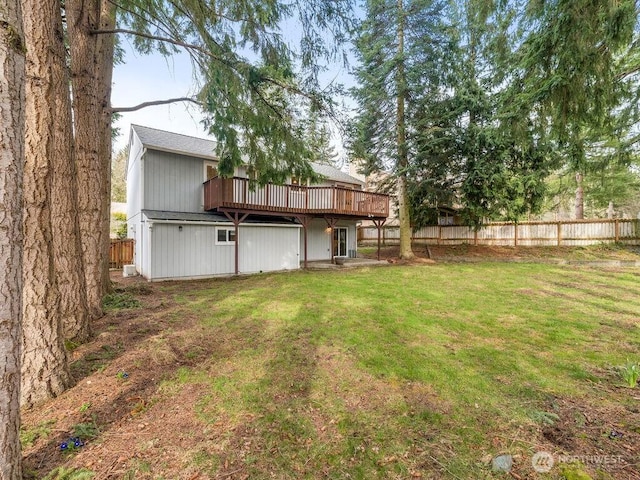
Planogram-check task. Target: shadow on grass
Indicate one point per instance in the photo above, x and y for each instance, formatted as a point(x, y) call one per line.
point(282, 427)
point(124, 342)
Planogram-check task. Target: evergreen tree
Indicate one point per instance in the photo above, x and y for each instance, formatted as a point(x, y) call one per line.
point(45, 372)
point(606, 181)
point(318, 137)
point(254, 82)
point(244, 99)
point(12, 65)
point(523, 90)
point(91, 60)
point(119, 176)
point(579, 76)
point(395, 45)
point(248, 109)
point(472, 151)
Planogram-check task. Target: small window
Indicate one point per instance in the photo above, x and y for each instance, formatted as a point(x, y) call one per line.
point(210, 170)
point(252, 173)
point(295, 184)
point(225, 236)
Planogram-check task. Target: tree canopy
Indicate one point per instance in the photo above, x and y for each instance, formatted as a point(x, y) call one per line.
point(256, 80)
point(499, 95)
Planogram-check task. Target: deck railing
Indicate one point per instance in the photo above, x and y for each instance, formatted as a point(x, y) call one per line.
point(241, 193)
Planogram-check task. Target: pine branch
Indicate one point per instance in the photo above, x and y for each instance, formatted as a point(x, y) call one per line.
point(154, 103)
point(190, 46)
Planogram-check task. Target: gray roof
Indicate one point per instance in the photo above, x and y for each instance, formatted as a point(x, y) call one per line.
point(332, 173)
point(175, 142)
point(201, 147)
point(210, 217)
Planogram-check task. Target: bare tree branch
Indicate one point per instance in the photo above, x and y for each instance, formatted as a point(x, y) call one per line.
point(154, 103)
point(172, 41)
point(630, 71)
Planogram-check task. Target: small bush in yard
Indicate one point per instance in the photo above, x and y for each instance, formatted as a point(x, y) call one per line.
point(119, 300)
point(630, 372)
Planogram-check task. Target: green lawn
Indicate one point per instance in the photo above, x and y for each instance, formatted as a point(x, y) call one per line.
point(411, 371)
point(424, 371)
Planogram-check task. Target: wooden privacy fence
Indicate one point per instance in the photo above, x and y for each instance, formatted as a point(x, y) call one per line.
point(121, 253)
point(561, 233)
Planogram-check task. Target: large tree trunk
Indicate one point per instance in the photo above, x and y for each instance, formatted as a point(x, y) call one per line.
point(45, 371)
point(11, 170)
point(406, 251)
point(64, 208)
point(91, 84)
point(579, 198)
point(106, 45)
point(403, 155)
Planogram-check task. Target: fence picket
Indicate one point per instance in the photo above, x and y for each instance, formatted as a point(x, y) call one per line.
point(559, 233)
point(121, 253)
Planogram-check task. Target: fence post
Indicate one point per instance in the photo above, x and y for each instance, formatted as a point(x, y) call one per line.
point(559, 233)
point(617, 230)
point(475, 236)
point(439, 234)
point(515, 234)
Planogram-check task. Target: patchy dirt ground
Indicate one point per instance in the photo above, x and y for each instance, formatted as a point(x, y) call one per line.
point(117, 397)
point(132, 425)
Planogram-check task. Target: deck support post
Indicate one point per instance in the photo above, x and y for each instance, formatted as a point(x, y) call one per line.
point(379, 224)
point(237, 220)
point(331, 222)
point(304, 220)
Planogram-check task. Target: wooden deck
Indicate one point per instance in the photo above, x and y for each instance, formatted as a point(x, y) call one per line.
point(241, 194)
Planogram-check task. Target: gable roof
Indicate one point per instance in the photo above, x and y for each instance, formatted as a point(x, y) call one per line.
point(204, 148)
point(332, 173)
point(175, 142)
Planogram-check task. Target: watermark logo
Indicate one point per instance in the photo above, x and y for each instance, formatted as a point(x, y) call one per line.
point(542, 462)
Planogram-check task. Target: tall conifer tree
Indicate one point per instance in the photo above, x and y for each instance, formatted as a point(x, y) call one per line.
point(12, 65)
point(394, 44)
point(579, 69)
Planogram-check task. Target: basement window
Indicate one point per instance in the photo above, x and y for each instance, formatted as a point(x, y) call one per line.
point(225, 236)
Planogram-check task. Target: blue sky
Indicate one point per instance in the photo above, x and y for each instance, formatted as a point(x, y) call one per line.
point(145, 78)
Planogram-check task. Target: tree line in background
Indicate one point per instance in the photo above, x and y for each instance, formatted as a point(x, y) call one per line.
point(471, 102)
point(493, 106)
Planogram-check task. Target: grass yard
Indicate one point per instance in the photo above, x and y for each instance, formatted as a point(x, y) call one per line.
point(389, 372)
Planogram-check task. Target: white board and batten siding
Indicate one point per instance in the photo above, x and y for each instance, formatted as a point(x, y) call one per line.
point(192, 252)
point(143, 250)
point(319, 242)
point(161, 179)
point(265, 248)
point(173, 182)
point(134, 198)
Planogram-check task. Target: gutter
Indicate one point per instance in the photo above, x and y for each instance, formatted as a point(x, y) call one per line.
point(151, 221)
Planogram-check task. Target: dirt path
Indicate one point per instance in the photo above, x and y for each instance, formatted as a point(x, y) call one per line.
point(457, 253)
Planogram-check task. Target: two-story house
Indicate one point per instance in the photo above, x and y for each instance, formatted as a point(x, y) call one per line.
point(188, 222)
